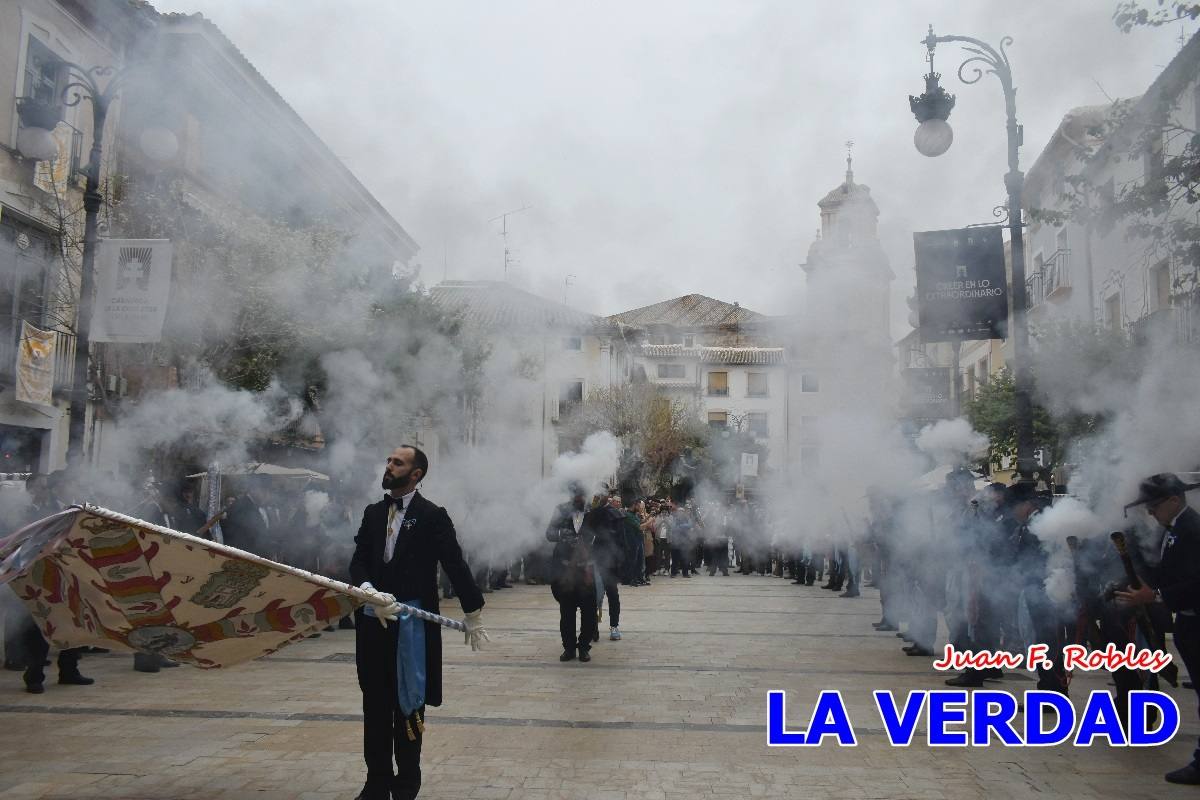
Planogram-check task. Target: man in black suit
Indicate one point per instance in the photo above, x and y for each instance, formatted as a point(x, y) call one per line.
point(401, 541)
point(573, 529)
point(247, 525)
point(1176, 580)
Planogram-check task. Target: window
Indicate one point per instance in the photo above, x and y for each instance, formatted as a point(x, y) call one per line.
point(573, 343)
point(756, 423)
point(657, 339)
point(675, 338)
point(689, 341)
point(810, 459)
point(28, 256)
point(672, 371)
point(756, 384)
point(1160, 277)
point(42, 71)
point(808, 428)
point(718, 384)
point(570, 397)
point(809, 382)
point(718, 419)
point(1112, 311)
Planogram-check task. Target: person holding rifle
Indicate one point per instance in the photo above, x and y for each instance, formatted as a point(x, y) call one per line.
point(1175, 581)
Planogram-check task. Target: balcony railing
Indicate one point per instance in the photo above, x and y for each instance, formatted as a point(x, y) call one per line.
point(1052, 280)
point(1178, 324)
point(718, 391)
point(64, 361)
point(1056, 274)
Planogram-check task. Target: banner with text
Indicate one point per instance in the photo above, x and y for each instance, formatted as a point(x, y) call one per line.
point(962, 288)
point(927, 393)
point(133, 281)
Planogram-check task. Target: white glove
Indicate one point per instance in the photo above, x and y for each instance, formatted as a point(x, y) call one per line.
point(388, 613)
point(384, 613)
point(475, 634)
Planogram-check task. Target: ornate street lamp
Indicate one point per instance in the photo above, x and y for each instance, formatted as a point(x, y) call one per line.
point(933, 138)
point(99, 86)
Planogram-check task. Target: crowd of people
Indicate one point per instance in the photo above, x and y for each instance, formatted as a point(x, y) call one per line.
point(309, 525)
point(966, 553)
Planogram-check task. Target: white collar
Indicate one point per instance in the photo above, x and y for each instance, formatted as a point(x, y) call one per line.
point(405, 500)
point(1177, 516)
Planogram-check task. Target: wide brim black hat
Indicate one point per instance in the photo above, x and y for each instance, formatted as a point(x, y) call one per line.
point(1160, 487)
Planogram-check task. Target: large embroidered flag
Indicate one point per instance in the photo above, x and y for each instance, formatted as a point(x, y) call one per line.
point(91, 576)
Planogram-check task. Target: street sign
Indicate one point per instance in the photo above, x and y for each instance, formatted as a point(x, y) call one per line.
point(927, 393)
point(962, 288)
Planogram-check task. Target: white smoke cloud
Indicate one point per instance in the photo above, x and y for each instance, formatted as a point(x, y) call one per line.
point(951, 441)
point(1067, 517)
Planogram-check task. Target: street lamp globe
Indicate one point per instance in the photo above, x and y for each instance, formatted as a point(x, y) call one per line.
point(37, 143)
point(933, 137)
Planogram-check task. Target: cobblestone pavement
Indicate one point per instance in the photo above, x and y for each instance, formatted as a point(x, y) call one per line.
point(676, 709)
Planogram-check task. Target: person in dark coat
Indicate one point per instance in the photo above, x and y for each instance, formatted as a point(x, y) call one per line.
point(1175, 581)
point(45, 493)
point(246, 525)
point(573, 529)
point(399, 545)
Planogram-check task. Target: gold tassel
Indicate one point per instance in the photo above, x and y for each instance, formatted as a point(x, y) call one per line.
point(420, 723)
point(412, 737)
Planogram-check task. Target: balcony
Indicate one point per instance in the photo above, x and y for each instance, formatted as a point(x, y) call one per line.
point(1178, 325)
point(1056, 275)
point(718, 391)
point(1052, 280)
point(64, 361)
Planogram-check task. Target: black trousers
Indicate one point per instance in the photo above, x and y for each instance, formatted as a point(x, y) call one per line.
point(36, 648)
point(574, 597)
point(716, 555)
point(387, 733)
point(1187, 642)
point(680, 560)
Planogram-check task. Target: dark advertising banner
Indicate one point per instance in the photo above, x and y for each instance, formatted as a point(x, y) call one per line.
point(962, 290)
point(927, 393)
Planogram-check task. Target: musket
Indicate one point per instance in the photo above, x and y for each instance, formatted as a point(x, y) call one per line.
point(1170, 672)
point(213, 521)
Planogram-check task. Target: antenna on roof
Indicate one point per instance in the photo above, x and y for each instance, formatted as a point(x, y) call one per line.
point(504, 234)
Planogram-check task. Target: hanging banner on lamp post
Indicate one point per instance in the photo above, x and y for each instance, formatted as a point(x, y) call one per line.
point(133, 281)
point(962, 287)
point(927, 393)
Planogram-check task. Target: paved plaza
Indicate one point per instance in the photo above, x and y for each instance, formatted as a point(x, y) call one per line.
point(676, 710)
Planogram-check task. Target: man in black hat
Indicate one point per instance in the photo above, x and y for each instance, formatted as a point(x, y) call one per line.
point(1176, 580)
point(1028, 564)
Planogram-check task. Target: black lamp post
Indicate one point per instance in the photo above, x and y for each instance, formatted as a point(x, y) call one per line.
point(933, 138)
point(99, 86)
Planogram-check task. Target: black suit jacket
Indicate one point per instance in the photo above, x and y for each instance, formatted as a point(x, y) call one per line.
point(244, 527)
point(426, 539)
point(1178, 576)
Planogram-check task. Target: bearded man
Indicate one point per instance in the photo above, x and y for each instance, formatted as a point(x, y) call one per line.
point(399, 545)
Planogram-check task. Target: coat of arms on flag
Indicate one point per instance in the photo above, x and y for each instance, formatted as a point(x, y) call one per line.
point(91, 576)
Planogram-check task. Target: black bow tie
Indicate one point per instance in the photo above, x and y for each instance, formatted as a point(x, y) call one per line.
point(398, 502)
